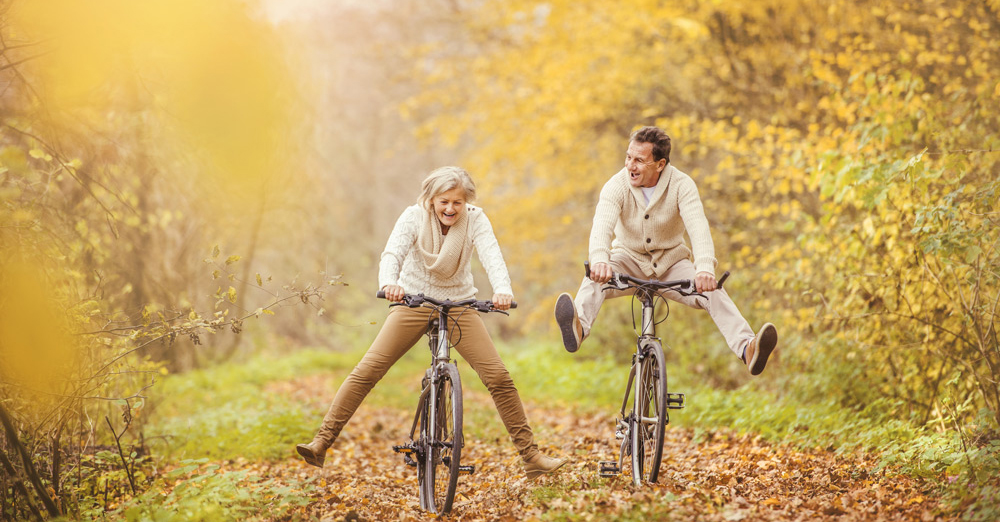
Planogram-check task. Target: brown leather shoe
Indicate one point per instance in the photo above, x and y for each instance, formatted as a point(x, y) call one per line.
point(314, 453)
point(760, 347)
point(540, 465)
point(569, 323)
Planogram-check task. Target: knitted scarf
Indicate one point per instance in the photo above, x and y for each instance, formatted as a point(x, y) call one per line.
point(444, 254)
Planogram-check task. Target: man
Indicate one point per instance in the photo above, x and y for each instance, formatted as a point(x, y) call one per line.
point(646, 208)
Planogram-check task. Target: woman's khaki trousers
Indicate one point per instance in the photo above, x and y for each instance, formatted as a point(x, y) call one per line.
point(403, 328)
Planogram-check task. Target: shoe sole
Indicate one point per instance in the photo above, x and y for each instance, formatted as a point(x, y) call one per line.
point(768, 340)
point(309, 456)
point(565, 317)
point(538, 473)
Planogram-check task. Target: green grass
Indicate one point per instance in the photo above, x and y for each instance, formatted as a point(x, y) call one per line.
point(222, 413)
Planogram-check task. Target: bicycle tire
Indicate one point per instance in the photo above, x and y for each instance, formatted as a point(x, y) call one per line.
point(421, 444)
point(444, 443)
point(650, 419)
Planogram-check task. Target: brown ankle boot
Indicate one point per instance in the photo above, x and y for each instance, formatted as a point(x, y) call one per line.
point(540, 465)
point(759, 348)
point(314, 452)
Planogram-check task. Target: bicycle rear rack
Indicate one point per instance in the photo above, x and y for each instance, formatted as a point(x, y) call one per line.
point(675, 401)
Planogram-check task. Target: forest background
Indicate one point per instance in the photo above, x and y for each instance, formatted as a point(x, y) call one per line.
point(186, 184)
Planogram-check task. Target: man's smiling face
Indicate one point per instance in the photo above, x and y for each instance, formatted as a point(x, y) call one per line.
point(643, 171)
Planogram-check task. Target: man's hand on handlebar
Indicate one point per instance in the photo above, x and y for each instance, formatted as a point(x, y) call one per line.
point(502, 301)
point(394, 293)
point(705, 282)
point(601, 273)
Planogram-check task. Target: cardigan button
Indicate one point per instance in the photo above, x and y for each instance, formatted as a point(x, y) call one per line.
point(654, 265)
point(649, 240)
point(647, 216)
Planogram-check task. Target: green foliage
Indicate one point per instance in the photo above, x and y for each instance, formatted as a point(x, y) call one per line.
point(220, 413)
point(204, 492)
point(545, 370)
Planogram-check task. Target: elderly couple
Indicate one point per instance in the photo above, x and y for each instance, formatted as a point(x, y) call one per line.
point(639, 224)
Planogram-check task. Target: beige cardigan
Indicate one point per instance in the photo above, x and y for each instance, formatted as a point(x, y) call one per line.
point(653, 236)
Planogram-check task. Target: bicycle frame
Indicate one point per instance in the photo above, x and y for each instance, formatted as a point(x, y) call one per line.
point(643, 345)
point(431, 445)
point(641, 429)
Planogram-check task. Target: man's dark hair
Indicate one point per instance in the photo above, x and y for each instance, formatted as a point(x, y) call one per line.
point(659, 139)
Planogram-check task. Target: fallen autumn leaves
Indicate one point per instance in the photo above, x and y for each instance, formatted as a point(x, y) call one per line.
point(714, 476)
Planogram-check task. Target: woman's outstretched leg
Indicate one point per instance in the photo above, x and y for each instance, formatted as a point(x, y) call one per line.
point(402, 329)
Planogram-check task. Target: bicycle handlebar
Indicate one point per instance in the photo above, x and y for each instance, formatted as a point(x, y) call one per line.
point(685, 287)
point(418, 300)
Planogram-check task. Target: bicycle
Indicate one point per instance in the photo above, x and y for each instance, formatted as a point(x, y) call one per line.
point(641, 430)
point(436, 442)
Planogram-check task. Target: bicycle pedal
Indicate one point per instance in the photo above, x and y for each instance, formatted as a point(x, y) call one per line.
point(466, 470)
point(609, 468)
point(406, 449)
point(675, 401)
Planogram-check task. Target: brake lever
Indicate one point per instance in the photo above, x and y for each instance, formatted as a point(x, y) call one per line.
point(488, 307)
point(415, 301)
point(618, 282)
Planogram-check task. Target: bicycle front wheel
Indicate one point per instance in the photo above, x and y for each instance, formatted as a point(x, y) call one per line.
point(444, 448)
point(650, 417)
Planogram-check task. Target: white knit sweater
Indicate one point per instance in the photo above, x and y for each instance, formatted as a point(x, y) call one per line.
point(652, 235)
point(401, 265)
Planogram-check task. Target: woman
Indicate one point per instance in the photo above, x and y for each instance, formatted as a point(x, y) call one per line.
point(429, 252)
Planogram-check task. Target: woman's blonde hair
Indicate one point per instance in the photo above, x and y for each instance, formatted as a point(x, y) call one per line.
point(442, 180)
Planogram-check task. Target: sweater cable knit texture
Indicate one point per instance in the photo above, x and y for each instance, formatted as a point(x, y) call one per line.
point(402, 265)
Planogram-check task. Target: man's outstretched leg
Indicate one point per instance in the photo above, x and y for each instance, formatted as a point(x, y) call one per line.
point(576, 316)
point(753, 349)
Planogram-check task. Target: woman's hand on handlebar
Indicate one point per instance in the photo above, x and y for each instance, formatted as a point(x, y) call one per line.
point(394, 293)
point(705, 282)
point(502, 301)
point(601, 273)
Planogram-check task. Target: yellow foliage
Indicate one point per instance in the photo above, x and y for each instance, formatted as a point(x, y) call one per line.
point(206, 69)
point(797, 119)
point(36, 349)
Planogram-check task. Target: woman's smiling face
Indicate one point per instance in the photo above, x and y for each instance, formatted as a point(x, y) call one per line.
point(449, 205)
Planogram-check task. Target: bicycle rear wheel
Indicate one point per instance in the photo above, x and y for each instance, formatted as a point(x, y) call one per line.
point(650, 417)
point(444, 443)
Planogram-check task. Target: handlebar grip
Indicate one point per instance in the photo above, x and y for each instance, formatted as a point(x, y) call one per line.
point(722, 279)
point(586, 267)
point(513, 304)
point(380, 294)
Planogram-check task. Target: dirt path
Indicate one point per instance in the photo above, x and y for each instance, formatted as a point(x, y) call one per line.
point(715, 476)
